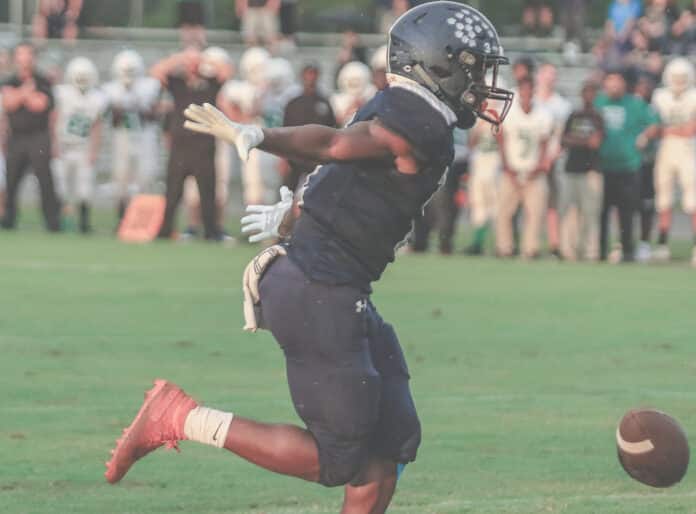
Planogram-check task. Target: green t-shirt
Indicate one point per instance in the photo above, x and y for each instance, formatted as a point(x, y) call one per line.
point(624, 120)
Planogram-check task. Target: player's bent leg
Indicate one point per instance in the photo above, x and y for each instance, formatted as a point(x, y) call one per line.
point(169, 415)
point(284, 449)
point(372, 490)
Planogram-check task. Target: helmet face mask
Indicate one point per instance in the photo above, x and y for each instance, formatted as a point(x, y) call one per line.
point(454, 51)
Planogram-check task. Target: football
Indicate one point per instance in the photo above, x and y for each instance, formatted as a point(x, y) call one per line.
point(652, 447)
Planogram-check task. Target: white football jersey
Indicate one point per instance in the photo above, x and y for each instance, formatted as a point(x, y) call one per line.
point(132, 102)
point(77, 112)
point(523, 134)
point(676, 110)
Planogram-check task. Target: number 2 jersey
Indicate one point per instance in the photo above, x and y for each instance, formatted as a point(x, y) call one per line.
point(355, 213)
point(77, 112)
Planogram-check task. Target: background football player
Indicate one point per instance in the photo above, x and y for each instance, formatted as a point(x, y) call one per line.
point(354, 90)
point(262, 171)
point(79, 109)
point(675, 103)
point(132, 101)
point(347, 374)
point(484, 176)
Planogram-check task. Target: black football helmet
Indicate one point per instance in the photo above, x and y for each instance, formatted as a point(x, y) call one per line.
point(454, 51)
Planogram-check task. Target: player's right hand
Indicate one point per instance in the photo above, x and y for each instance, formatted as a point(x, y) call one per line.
point(266, 219)
point(207, 119)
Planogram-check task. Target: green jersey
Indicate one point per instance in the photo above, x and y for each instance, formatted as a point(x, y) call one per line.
point(624, 120)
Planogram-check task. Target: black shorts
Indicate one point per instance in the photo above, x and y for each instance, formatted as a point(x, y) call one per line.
point(647, 181)
point(347, 374)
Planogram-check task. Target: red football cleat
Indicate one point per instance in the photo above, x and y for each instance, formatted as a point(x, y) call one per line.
point(160, 421)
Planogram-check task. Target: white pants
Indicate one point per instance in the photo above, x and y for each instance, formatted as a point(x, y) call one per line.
point(74, 176)
point(261, 178)
point(2, 172)
point(675, 162)
point(483, 188)
point(135, 157)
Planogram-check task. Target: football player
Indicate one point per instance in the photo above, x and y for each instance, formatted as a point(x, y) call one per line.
point(484, 175)
point(675, 103)
point(132, 101)
point(79, 108)
point(262, 175)
point(345, 368)
point(354, 90)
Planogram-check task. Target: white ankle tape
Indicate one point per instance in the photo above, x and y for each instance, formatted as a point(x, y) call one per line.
point(208, 426)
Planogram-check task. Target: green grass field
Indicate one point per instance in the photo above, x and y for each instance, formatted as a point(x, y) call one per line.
point(520, 372)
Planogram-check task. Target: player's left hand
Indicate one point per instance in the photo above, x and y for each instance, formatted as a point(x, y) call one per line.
point(266, 219)
point(207, 119)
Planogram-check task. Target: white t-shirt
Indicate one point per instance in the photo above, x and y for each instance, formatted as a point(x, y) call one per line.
point(676, 110)
point(523, 135)
point(77, 112)
point(559, 108)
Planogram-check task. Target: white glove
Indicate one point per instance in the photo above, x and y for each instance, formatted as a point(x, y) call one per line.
point(266, 219)
point(207, 119)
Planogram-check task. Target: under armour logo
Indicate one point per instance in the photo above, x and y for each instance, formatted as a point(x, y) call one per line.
point(360, 305)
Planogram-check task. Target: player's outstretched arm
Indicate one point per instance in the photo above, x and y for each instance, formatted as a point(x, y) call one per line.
point(310, 143)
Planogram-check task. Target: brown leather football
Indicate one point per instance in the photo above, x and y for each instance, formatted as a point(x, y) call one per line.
point(652, 447)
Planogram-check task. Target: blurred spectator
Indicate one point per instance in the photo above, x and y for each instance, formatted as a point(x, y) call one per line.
point(644, 57)
point(3, 152)
point(351, 50)
point(644, 89)
point(548, 98)
point(311, 107)
point(523, 68)
point(442, 211)
point(288, 25)
point(656, 23)
point(582, 138)
point(388, 11)
point(191, 153)
point(675, 103)
point(259, 21)
point(484, 175)
point(378, 63)
point(572, 14)
point(629, 123)
point(523, 142)
point(213, 60)
point(537, 17)
point(57, 19)
point(191, 23)
point(27, 100)
point(354, 90)
point(684, 31)
point(623, 15)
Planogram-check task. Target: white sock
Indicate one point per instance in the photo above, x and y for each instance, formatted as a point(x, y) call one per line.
point(208, 426)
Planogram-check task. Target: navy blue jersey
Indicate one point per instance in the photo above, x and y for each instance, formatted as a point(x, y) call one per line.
point(356, 213)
